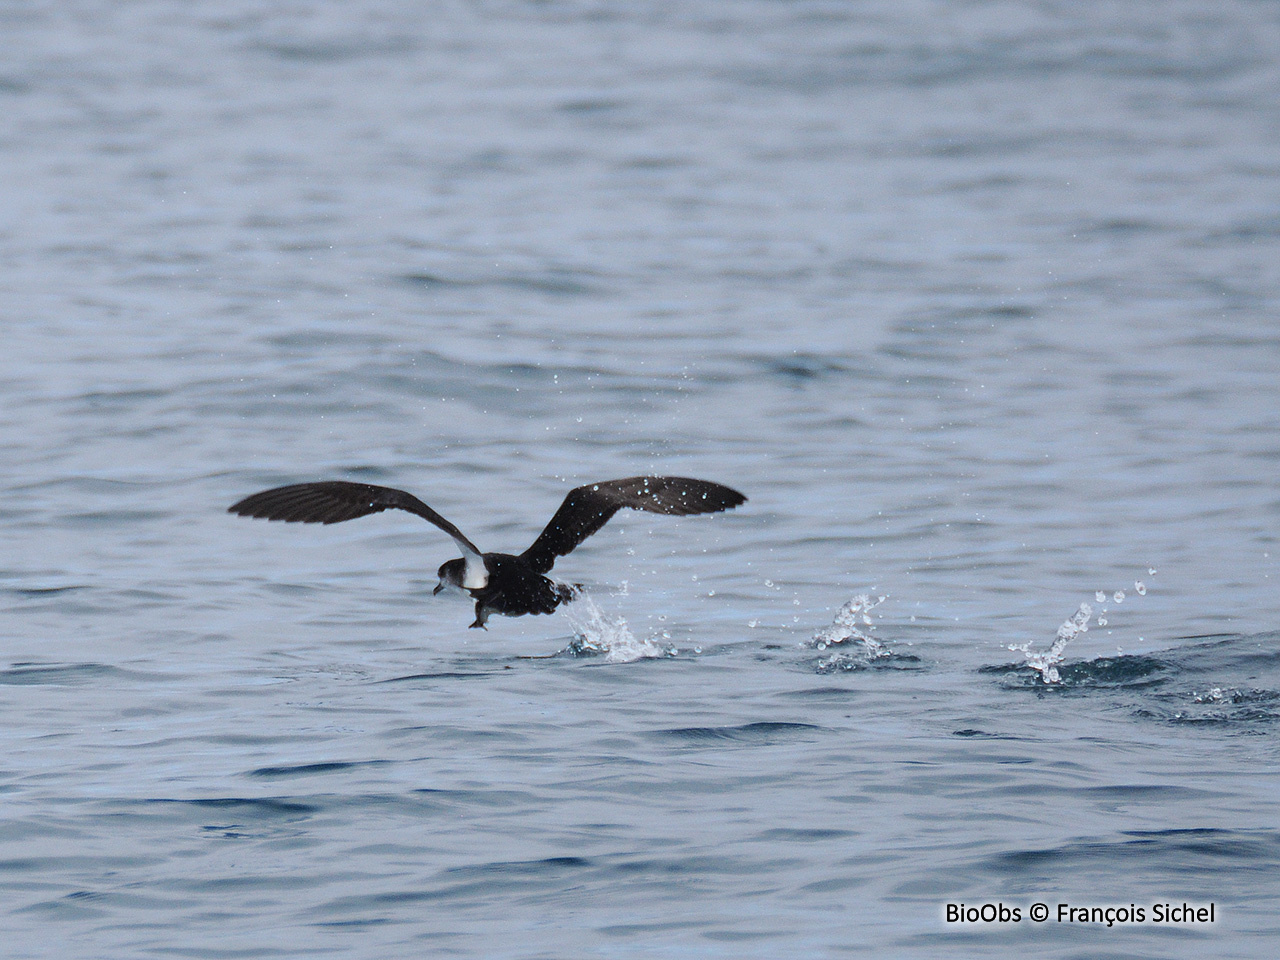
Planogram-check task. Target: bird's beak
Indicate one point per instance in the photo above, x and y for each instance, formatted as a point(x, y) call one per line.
point(439, 587)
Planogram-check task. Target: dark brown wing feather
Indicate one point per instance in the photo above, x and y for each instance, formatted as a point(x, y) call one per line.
point(333, 501)
point(588, 508)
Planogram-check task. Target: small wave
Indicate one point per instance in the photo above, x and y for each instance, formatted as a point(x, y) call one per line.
point(762, 731)
point(24, 674)
point(977, 734)
point(438, 675)
point(559, 283)
point(336, 49)
point(1185, 850)
point(44, 591)
point(308, 769)
point(1104, 672)
point(258, 807)
point(1219, 681)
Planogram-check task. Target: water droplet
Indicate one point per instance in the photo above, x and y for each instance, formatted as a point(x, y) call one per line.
point(1151, 571)
point(1102, 621)
point(1140, 587)
point(1100, 596)
point(1118, 596)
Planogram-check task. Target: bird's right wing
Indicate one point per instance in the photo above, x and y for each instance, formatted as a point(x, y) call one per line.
point(588, 508)
point(333, 501)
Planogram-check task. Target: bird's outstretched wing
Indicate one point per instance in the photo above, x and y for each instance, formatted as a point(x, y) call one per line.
point(588, 508)
point(332, 501)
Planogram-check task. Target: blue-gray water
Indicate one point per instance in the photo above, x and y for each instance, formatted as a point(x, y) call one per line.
point(977, 303)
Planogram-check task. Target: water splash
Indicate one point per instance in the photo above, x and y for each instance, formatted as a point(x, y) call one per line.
point(853, 625)
point(848, 623)
point(596, 634)
point(1046, 661)
point(1216, 695)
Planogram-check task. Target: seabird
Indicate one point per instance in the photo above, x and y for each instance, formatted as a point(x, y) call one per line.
point(498, 582)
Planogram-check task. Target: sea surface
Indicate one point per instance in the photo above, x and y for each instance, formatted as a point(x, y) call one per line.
point(977, 302)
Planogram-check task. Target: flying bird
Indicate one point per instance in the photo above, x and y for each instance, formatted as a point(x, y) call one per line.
point(512, 585)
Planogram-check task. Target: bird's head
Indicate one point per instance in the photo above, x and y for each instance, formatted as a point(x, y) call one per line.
point(451, 573)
